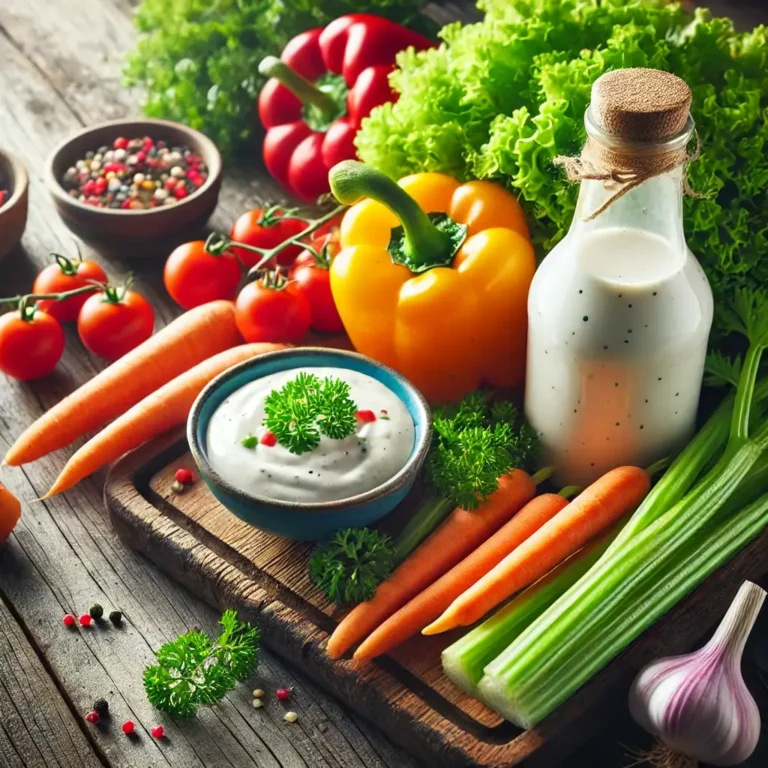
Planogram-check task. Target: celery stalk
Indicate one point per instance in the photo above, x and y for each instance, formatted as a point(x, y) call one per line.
point(465, 660)
point(709, 441)
point(660, 590)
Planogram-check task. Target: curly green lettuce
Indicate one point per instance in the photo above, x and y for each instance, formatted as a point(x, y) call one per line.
point(501, 98)
point(198, 60)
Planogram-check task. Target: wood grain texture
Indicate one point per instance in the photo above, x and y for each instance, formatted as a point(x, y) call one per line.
point(37, 728)
point(232, 564)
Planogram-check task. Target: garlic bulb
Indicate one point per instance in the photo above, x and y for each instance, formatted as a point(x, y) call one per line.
point(698, 704)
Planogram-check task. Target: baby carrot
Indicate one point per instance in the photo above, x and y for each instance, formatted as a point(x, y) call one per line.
point(610, 497)
point(430, 603)
point(459, 534)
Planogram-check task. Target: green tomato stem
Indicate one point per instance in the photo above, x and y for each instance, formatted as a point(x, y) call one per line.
point(351, 180)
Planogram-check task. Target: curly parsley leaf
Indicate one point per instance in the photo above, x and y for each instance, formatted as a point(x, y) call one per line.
point(474, 445)
point(193, 671)
point(308, 407)
point(349, 567)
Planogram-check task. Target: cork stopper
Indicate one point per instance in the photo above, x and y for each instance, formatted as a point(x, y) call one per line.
point(641, 104)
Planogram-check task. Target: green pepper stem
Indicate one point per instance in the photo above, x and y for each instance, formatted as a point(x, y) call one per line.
point(351, 180)
point(305, 91)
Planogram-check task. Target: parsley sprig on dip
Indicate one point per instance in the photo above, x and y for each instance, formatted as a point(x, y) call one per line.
point(303, 409)
point(310, 435)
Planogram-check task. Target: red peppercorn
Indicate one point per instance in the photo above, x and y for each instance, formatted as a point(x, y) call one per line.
point(93, 717)
point(269, 439)
point(158, 732)
point(85, 620)
point(148, 144)
point(69, 620)
point(170, 183)
point(141, 156)
point(365, 416)
point(180, 192)
point(128, 727)
point(120, 142)
point(283, 694)
point(198, 181)
point(184, 476)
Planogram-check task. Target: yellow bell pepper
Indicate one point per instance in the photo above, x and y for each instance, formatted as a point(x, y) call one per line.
point(440, 298)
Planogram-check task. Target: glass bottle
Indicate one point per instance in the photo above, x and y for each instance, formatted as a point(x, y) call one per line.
point(619, 312)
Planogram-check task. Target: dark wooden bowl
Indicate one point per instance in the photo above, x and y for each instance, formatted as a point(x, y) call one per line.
point(126, 233)
point(13, 214)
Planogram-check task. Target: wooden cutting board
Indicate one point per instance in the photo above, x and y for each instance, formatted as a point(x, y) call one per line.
point(234, 565)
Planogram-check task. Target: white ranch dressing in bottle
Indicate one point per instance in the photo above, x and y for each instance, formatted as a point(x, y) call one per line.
point(619, 312)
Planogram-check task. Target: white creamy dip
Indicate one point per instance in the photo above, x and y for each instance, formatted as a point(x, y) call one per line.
point(336, 469)
point(618, 327)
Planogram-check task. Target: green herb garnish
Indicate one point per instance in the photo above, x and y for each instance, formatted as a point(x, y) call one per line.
point(308, 407)
point(352, 564)
point(192, 670)
point(249, 441)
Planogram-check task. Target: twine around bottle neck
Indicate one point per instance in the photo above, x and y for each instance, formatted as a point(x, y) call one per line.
point(624, 166)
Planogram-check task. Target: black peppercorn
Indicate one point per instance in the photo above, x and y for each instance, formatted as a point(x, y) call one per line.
point(96, 611)
point(116, 617)
point(101, 707)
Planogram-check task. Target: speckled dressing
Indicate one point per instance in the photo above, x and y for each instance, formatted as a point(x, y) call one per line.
point(336, 469)
point(618, 327)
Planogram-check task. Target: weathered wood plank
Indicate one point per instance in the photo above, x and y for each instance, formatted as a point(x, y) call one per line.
point(37, 728)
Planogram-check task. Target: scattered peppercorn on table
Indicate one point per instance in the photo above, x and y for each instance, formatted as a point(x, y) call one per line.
point(80, 612)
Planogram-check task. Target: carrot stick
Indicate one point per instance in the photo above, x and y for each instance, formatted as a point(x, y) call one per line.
point(164, 409)
point(430, 603)
point(187, 341)
point(10, 512)
point(610, 497)
point(458, 535)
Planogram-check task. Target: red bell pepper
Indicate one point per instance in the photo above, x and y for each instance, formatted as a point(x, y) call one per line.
point(326, 81)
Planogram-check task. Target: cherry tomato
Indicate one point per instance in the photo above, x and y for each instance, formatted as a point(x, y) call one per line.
point(266, 228)
point(192, 276)
point(115, 321)
point(315, 284)
point(30, 346)
point(274, 314)
point(66, 275)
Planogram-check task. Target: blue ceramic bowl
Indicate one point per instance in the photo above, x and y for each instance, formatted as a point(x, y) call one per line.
point(318, 520)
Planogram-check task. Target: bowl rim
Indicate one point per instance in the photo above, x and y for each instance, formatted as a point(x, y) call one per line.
point(19, 179)
point(211, 150)
point(395, 483)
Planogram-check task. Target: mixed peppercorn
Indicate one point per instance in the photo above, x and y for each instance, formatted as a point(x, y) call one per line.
point(135, 174)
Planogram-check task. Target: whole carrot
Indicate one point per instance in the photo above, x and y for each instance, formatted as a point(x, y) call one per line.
point(458, 535)
point(431, 602)
point(187, 341)
point(164, 409)
point(610, 497)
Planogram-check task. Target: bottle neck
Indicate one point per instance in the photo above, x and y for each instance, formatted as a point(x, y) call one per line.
point(655, 206)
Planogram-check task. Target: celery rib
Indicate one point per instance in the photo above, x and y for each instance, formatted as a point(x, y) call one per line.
point(651, 598)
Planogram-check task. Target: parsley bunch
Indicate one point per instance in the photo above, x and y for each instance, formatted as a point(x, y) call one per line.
point(192, 670)
point(474, 445)
point(352, 564)
point(307, 407)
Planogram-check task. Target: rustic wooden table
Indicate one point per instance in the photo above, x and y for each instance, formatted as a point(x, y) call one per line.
point(60, 68)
